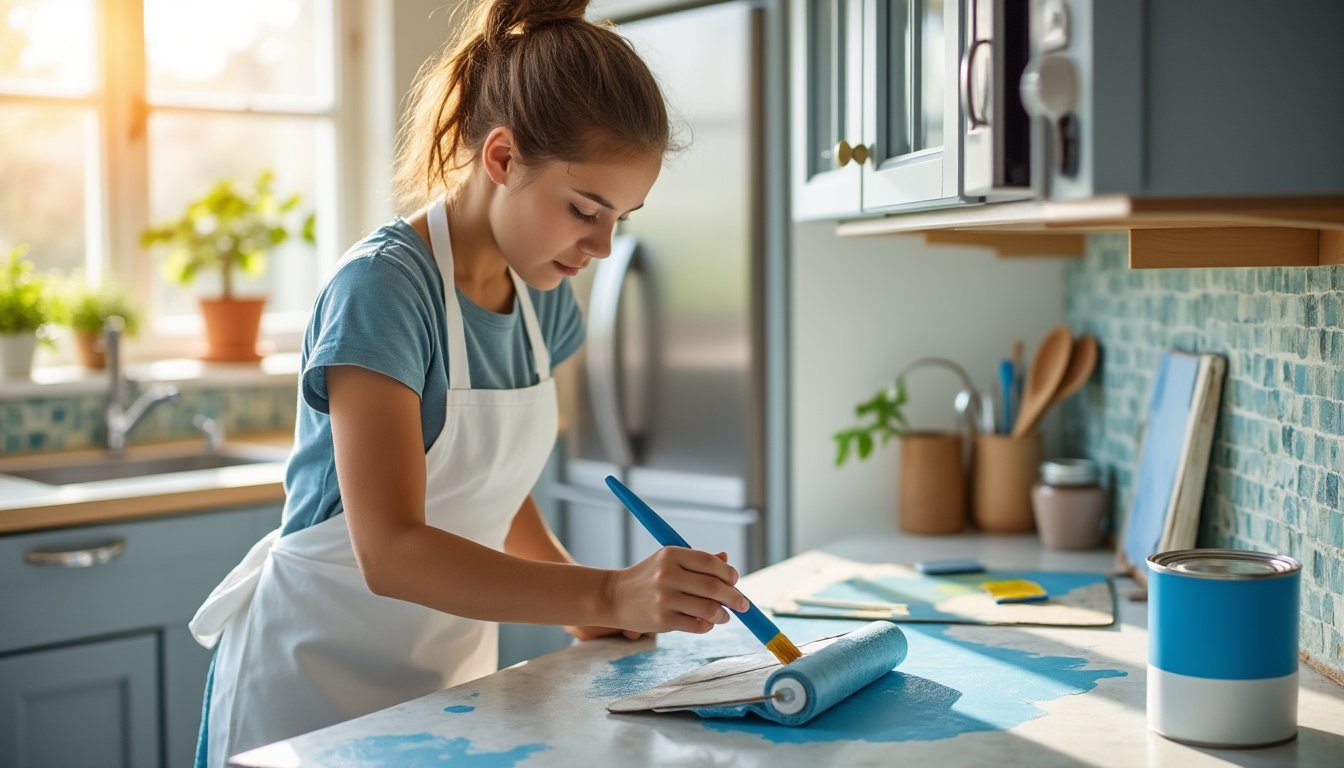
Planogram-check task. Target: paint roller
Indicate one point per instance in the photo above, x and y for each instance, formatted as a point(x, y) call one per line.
point(821, 679)
point(830, 671)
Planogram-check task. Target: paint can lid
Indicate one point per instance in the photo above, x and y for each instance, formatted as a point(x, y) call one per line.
point(1223, 564)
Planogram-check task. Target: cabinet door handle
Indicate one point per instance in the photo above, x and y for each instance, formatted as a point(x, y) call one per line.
point(844, 153)
point(85, 557)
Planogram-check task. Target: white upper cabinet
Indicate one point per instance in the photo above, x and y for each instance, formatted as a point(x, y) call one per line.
point(875, 119)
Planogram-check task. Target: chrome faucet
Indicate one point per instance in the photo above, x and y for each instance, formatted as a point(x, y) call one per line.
point(120, 421)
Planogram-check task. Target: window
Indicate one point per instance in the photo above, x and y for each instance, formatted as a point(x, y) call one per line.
point(113, 113)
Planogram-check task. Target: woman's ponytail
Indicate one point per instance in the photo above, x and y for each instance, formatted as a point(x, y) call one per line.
point(568, 89)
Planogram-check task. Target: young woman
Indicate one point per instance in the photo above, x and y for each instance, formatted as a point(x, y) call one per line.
point(427, 406)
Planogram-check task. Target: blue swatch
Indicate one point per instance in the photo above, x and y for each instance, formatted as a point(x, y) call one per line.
point(421, 750)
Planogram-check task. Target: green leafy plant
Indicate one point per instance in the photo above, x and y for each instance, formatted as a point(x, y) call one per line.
point(881, 417)
point(85, 307)
point(25, 294)
point(228, 229)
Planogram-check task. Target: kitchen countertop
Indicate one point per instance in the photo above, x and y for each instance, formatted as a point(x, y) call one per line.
point(30, 505)
point(968, 695)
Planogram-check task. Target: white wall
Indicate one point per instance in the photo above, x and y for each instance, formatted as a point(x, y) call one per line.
point(862, 309)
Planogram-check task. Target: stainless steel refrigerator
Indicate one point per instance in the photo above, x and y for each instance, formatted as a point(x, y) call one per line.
point(670, 391)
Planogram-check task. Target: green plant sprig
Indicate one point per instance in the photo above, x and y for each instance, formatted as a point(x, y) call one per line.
point(885, 420)
point(227, 229)
point(85, 307)
point(25, 294)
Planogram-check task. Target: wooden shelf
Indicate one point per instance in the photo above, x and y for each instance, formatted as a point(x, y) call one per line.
point(1164, 233)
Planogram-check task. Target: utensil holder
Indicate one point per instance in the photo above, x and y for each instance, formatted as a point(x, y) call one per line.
point(1003, 471)
point(933, 483)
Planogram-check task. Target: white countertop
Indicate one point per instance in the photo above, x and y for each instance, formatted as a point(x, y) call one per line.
point(966, 695)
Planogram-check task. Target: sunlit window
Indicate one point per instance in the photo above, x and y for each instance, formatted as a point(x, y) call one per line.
point(115, 113)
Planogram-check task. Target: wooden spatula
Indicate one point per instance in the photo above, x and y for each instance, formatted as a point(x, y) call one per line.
point(1081, 362)
point(1047, 371)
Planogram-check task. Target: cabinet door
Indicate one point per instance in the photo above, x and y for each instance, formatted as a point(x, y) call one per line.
point(827, 107)
point(594, 532)
point(910, 111)
point(88, 705)
point(735, 531)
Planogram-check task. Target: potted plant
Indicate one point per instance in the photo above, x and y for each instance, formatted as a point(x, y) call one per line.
point(227, 230)
point(25, 308)
point(84, 308)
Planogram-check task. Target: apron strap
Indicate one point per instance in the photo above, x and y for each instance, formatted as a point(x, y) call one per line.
point(541, 356)
point(459, 372)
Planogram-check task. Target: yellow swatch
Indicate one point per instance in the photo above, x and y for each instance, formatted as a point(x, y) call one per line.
point(1015, 591)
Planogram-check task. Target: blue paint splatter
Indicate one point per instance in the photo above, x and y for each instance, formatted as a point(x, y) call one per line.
point(421, 750)
point(677, 653)
point(947, 686)
point(459, 708)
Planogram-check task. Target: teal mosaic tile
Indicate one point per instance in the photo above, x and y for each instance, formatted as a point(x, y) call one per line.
point(1276, 474)
point(77, 422)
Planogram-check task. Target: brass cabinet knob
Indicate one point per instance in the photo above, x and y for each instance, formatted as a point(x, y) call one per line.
point(844, 153)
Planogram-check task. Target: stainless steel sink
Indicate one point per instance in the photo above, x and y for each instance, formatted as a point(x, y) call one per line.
point(120, 467)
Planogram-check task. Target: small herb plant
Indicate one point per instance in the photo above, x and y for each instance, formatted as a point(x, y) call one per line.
point(25, 294)
point(226, 229)
point(85, 307)
point(884, 420)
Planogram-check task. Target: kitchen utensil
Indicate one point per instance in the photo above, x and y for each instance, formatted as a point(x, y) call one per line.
point(986, 413)
point(1007, 379)
point(1047, 371)
point(1082, 361)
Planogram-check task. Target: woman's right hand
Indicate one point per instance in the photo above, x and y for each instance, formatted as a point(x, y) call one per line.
point(675, 589)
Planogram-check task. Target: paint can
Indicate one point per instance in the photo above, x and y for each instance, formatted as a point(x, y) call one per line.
point(1222, 647)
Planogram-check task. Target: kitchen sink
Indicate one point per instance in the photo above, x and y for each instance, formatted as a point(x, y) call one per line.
point(119, 467)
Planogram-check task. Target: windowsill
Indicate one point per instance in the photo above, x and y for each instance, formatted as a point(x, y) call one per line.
point(65, 380)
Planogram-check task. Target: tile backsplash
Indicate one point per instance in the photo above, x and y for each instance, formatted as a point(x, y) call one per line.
point(1274, 482)
point(76, 421)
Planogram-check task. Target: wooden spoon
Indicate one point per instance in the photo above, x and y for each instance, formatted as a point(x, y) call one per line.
point(1047, 371)
point(1081, 362)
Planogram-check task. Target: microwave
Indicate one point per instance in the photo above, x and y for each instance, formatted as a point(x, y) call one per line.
point(1176, 98)
point(995, 127)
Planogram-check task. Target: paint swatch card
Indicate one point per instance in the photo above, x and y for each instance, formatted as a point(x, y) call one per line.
point(824, 586)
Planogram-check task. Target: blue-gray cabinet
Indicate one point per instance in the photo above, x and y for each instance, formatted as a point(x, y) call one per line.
point(875, 114)
point(96, 664)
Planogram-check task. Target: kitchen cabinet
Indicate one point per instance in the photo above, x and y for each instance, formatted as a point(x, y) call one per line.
point(98, 647)
point(92, 704)
point(875, 114)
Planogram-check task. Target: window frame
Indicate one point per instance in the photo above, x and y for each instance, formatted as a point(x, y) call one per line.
point(117, 161)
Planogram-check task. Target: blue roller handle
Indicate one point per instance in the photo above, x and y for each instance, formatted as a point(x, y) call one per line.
point(760, 625)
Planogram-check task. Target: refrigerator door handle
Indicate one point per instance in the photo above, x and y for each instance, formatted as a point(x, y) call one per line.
point(602, 363)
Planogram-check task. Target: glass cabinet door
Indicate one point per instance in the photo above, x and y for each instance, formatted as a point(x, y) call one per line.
point(827, 107)
point(910, 50)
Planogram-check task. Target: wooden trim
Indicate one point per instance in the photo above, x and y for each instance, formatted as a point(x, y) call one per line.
point(1331, 247)
point(1013, 243)
point(1111, 213)
point(63, 514)
point(1223, 247)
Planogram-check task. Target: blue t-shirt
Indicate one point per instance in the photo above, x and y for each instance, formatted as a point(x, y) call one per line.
point(383, 310)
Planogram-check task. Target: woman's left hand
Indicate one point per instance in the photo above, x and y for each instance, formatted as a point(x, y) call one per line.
point(591, 633)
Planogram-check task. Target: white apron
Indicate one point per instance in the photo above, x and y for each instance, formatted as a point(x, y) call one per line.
point(303, 643)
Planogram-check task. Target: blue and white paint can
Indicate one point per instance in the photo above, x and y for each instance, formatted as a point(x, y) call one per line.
point(1222, 647)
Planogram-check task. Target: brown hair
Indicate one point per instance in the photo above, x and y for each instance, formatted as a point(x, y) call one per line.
point(570, 90)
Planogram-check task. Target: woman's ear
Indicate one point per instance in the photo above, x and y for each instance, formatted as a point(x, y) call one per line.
point(498, 154)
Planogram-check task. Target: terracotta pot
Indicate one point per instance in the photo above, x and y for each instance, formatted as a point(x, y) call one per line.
point(231, 329)
point(1004, 469)
point(89, 349)
point(933, 483)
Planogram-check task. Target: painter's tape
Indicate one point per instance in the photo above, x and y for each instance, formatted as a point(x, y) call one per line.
point(818, 681)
